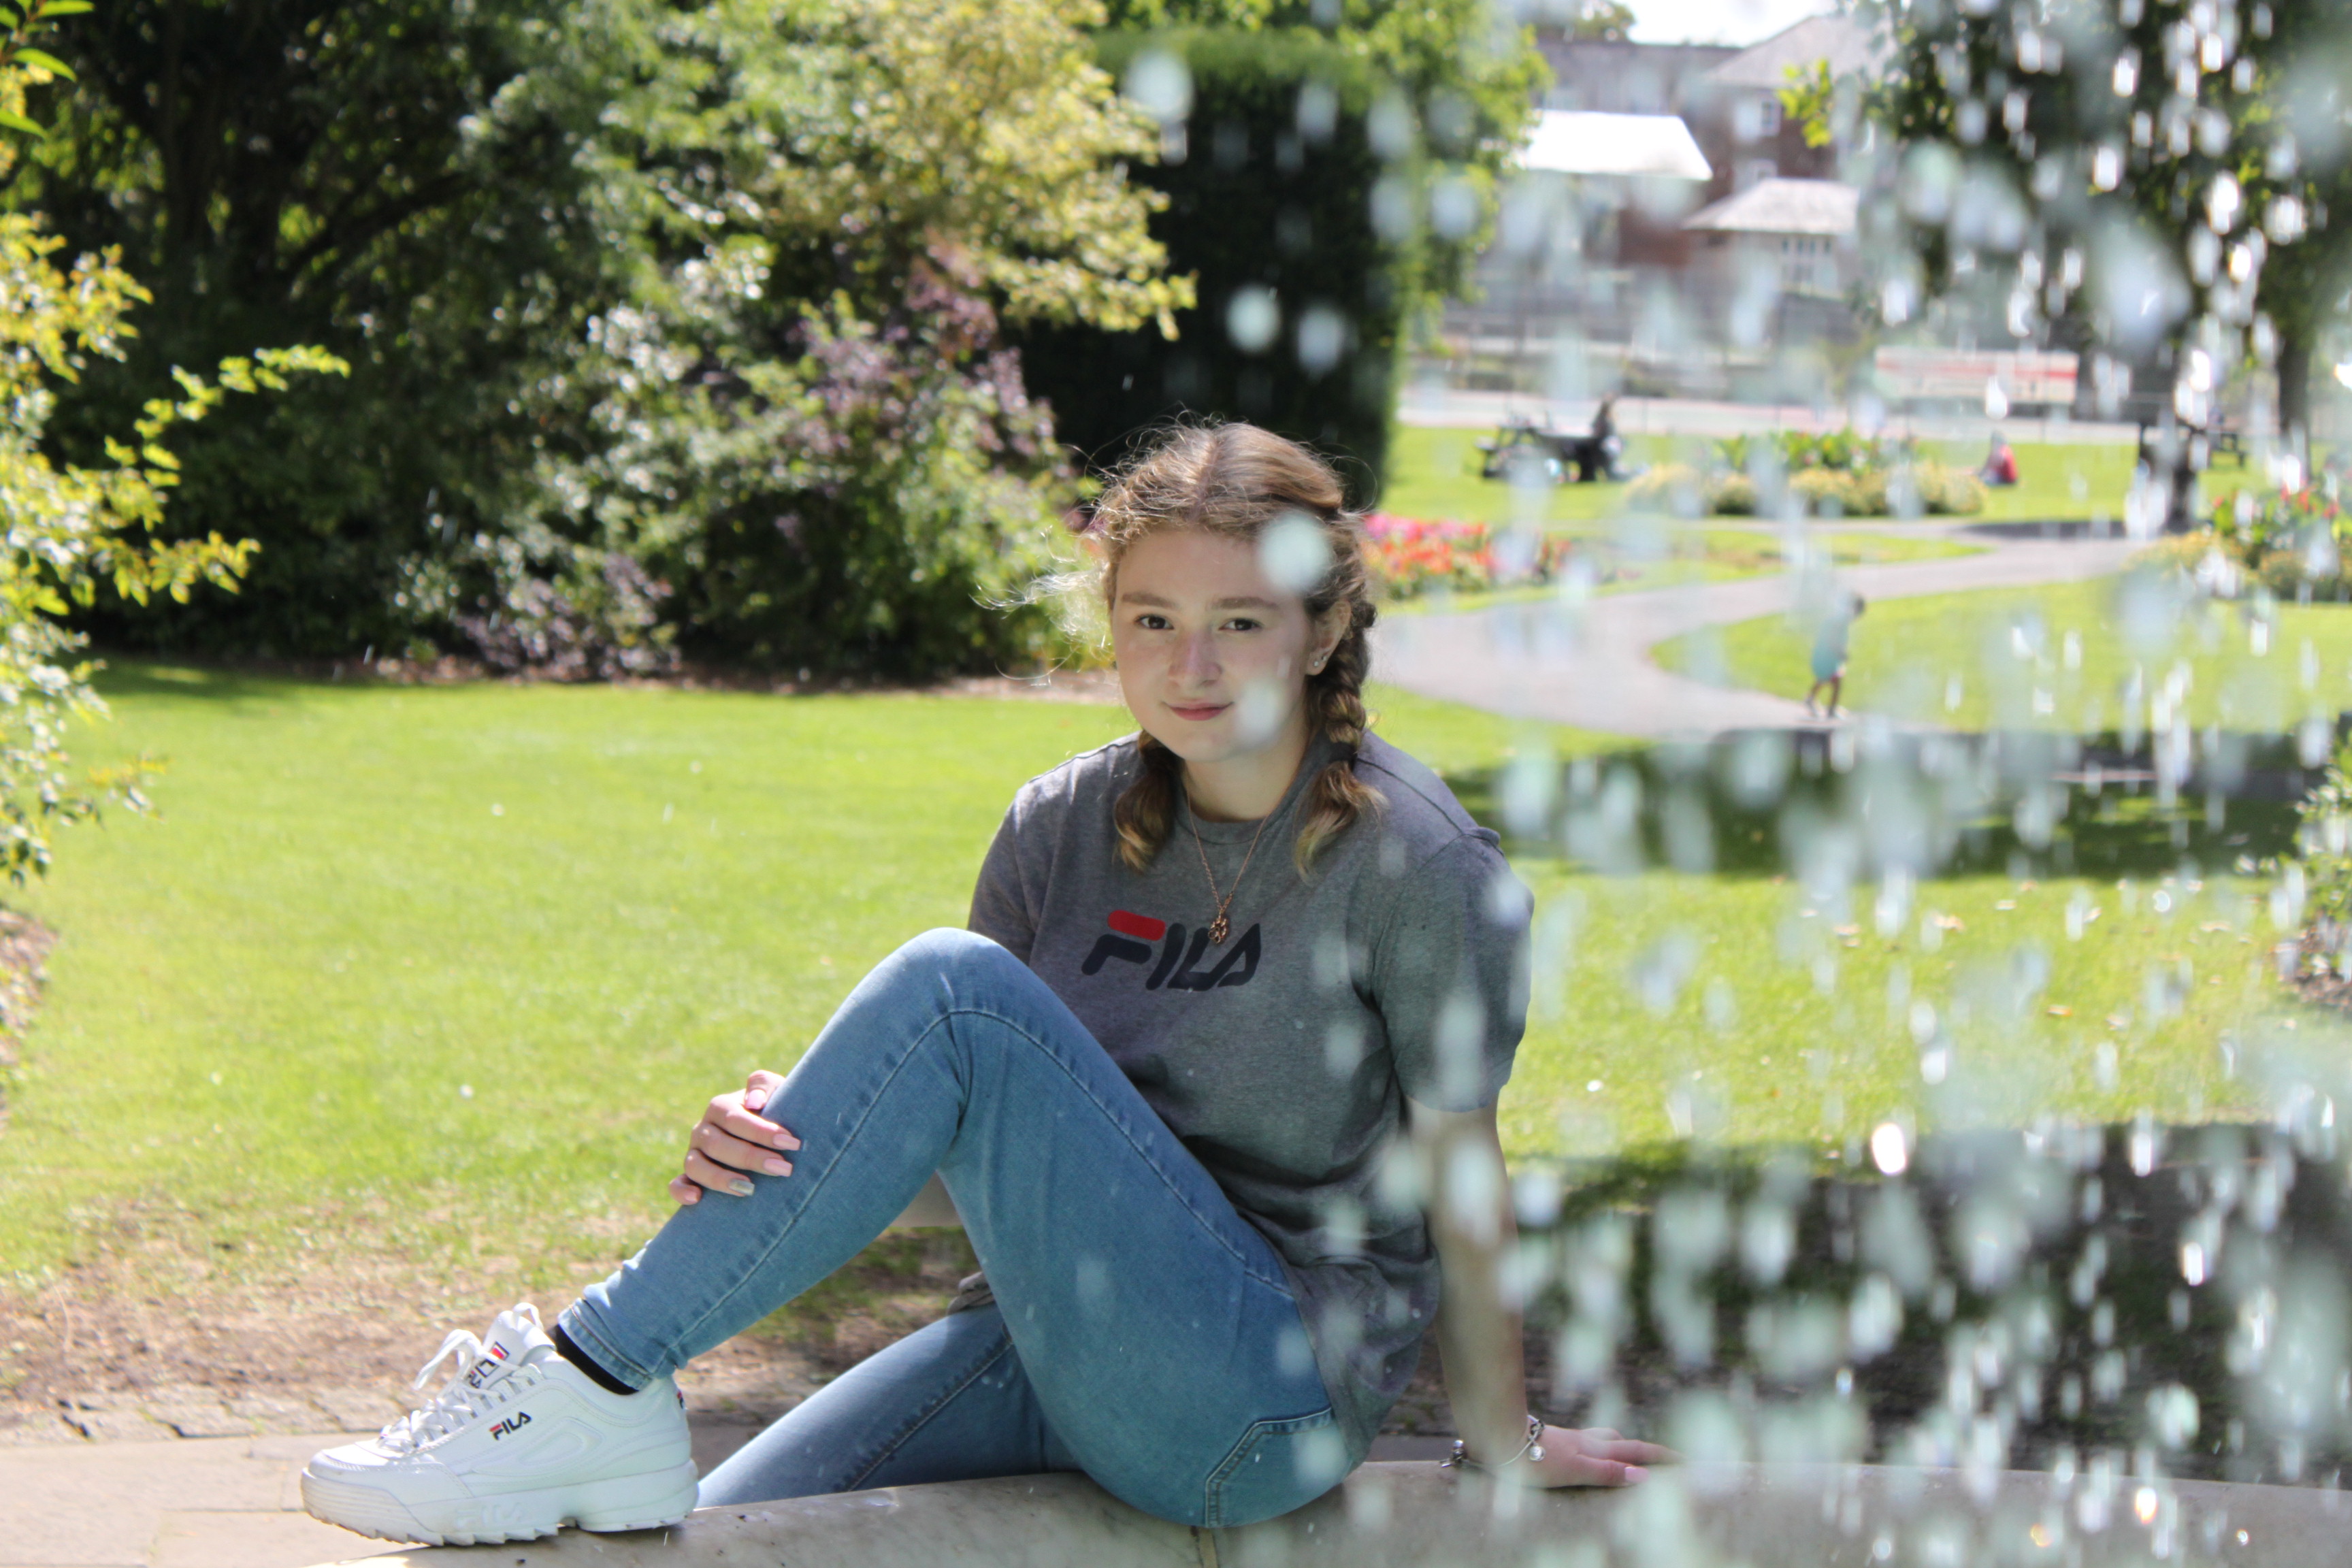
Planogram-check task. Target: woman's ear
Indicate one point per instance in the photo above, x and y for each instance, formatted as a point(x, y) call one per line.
point(1330, 628)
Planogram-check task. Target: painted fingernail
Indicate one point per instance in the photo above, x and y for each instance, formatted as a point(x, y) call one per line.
point(775, 1167)
point(740, 1189)
point(1635, 1473)
point(786, 1140)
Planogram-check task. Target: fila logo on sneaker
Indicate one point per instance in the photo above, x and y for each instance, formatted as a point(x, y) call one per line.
point(487, 1365)
point(514, 1422)
point(1176, 964)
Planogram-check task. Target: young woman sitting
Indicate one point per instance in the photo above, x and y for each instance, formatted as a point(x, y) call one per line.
point(1210, 1081)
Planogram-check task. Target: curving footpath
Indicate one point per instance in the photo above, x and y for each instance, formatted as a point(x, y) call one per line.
point(1591, 665)
point(1415, 1516)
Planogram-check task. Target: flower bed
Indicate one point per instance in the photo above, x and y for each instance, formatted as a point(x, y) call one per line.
point(1410, 556)
point(1840, 474)
point(2291, 543)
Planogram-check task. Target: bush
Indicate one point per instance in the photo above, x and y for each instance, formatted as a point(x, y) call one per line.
point(73, 529)
point(1678, 488)
point(1923, 486)
point(2289, 543)
point(2294, 541)
point(812, 445)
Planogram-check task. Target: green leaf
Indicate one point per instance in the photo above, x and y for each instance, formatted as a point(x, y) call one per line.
point(64, 8)
point(9, 122)
point(45, 61)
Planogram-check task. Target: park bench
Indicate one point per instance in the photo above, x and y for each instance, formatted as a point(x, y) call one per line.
point(1590, 456)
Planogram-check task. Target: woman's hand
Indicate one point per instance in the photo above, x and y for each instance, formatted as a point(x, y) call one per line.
point(732, 1143)
point(1594, 1457)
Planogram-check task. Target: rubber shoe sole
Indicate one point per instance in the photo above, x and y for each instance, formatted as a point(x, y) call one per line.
point(647, 1501)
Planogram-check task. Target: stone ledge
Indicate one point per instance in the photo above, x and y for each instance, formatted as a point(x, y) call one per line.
point(1785, 1516)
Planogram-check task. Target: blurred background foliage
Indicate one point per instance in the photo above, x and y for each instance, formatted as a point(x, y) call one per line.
point(699, 329)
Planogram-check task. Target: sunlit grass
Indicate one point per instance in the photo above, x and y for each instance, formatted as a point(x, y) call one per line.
point(452, 967)
point(2085, 657)
point(1434, 473)
point(1795, 1025)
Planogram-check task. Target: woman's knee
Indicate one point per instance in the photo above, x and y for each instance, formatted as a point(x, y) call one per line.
point(955, 968)
point(953, 949)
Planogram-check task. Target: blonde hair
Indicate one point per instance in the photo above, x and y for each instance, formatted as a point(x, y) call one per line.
point(1235, 481)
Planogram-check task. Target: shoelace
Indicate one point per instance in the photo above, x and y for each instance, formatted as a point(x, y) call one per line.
point(458, 1404)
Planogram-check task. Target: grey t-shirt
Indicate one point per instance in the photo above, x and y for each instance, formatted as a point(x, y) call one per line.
point(1395, 967)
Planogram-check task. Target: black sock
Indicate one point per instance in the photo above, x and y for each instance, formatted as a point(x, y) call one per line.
point(569, 1349)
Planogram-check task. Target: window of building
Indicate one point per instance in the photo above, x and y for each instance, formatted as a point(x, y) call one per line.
point(1756, 119)
point(1756, 169)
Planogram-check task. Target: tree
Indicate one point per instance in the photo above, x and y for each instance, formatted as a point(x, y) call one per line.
point(811, 446)
point(1334, 178)
point(1605, 21)
point(1303, 298)
point(414, 184)
point(76, 529)
point(2152, 177)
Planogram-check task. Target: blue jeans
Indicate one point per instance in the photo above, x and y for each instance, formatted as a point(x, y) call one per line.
point(1144, 1332)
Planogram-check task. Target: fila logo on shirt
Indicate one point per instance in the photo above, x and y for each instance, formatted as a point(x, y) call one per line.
point(1176, 962)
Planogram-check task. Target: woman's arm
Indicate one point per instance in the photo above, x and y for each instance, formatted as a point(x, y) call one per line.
point(1478, 1326)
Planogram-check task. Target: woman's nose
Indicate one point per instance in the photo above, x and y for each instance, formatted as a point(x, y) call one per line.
point(1196, 656)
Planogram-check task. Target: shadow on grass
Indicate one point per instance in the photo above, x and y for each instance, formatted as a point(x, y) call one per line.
point(143, 677)
point(2063, 1290)
point(2032, 804)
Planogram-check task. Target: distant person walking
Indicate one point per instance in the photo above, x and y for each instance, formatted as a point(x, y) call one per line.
point(1830, 652)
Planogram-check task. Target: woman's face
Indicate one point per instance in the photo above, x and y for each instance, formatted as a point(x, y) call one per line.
point(1212, 656)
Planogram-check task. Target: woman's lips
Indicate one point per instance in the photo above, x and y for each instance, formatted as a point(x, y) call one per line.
point(1199, 710)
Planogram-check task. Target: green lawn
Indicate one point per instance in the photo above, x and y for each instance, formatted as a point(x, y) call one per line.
point(1434, 473)
point(2067, 656)
point(1792, 1023)
point(2070, 481)
point(450, 969)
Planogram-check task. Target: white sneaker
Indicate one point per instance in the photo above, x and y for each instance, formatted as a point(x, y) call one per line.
point(517, 1444)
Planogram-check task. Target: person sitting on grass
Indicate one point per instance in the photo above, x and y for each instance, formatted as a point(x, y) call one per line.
point(1829, 641)
point(1999, 464)
point(1211, 1083)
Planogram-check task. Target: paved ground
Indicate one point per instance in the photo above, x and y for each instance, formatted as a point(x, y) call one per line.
point(1592, 667)
point(207, 1502)
point(232, 1502)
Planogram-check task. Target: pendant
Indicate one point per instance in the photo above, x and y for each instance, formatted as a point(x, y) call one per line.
point(1220, 929)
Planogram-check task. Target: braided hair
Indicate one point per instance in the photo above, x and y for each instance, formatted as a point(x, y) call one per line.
point(1235, 481)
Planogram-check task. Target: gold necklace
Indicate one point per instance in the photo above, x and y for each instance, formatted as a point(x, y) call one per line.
point(1221, 928)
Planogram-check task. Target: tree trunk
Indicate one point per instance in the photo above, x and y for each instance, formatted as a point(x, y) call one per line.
point(2294, 391)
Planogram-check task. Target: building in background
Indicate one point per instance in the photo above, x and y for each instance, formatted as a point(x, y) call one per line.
point(1610, 273)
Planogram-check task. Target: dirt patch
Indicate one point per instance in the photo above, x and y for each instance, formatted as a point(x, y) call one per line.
point(149, 1336)
point(25, 944)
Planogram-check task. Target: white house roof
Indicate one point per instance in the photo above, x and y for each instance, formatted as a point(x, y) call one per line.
point(1782, 206)
point(1849, 46)
point(1575, 141)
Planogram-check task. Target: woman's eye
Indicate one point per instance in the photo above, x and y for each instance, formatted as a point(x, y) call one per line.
point(1241, 624)
point(1151, 622)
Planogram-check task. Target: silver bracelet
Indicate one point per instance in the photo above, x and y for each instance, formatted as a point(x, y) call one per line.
point(1460, 1460)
